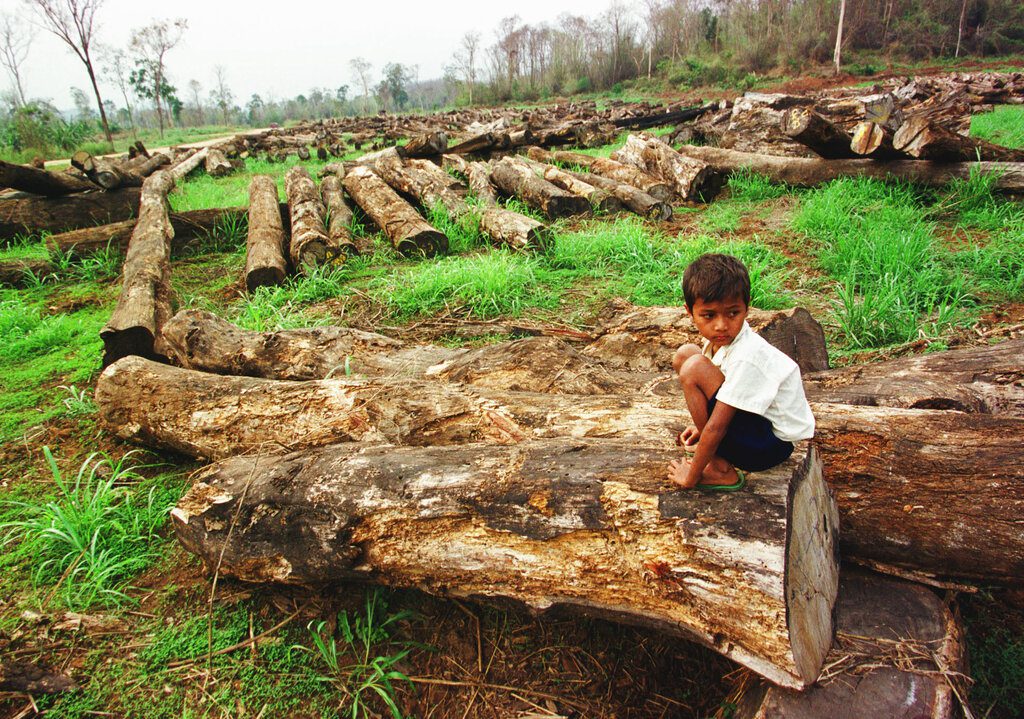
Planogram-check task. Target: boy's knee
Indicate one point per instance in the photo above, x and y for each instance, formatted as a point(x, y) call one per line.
point(693, 368)
point(682, 354)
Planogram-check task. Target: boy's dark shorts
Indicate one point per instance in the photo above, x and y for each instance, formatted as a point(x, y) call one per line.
point(749, 443)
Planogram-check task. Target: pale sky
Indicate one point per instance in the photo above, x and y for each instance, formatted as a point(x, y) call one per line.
point(279, 50)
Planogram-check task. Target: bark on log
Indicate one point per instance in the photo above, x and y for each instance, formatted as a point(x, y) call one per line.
point(584, 525)
point(427, 144)
point(514, 179)
point(898, 648)
point(599, 199)
point(187, 226)
point(26, 213)
point(806, 172)
point(476, 175)
point(309, 245)
point(909, 495)
point(339, 232)
point(216, 164)
point(513, 230)
point(692, 180)
point(264, 260)
point(19, 273)
point(871, 139)
point(146, 165)
point(145, 301)
point(103, 172)
point(409, 233)
point(924, 139)
point(635, 200)
point(427, 187)
point(190, 162)
point(41, 182)
point(809, 128)
point(606, 167)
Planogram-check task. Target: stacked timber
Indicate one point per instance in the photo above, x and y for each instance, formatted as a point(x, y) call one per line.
point(519, 180)
point(691, 179)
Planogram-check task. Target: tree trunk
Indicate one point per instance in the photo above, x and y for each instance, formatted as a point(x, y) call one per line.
point(811, 129)
point(41, 182)
point(476, 175)
point(635, 200)
point(476, 143)
point(838, 54)
point(104, 173)
point(309, 246)
point(898, 651)
point(187, 226)
point(409, 233)
point(925, 139)
point(909, 495)
point(25, 213)
point(180, 170)
point(216, 164)
point(264, 261)
point(807, 172)
point(871, 139)
point(148, 164)
point(606, 167)
point(513, 230)
point(20, 273)
point(600, 199)
point(428, 188)
point(145, 301)
point(427, 144)
point(339, 232)
point(514, 179)
point(557, 523)
point(692, 180)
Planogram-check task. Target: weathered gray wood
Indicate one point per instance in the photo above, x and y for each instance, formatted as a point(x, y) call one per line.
point(309, 246)
point(265, 264)
point(632, 198)
point(692, 180)
point(103, 172)
point(427, 144)
point(190, 162)
point(216, 164)
point(476, 174)
point(809, 128)
point(339, 234)
point(606, 167)
point(514, 179)
point(571, 523)
point(924, 138)
point(28, 213)
point(41, 182)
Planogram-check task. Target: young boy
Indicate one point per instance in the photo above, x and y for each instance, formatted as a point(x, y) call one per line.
point(745, 396)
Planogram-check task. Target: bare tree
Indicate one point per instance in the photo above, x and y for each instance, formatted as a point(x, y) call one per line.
point(837, 57)
point(221, 93)
point(195, 87)
point(465, 60)
point(960, 29)
point(15, 38)
point(74, 22)
point(151, 44)
point(114, 68)
point(361, 74)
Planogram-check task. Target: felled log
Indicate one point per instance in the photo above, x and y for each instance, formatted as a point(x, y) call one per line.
point(606, 167)
point(477, 143)
point(409, 233)
point(558, 523)
point(644, 338)
point(187, 226)
point(41, 182)
point(216, 164)
point(103, 172)
point(28, 213)
point(874, 140)
point(190, 162)
point(599, 199)
point(427, 144)
point(910, 496)
point(987, 379)
point(635, 200)
point(476, 174)
point(145, 300)
point(898, 652)
point(200, 340)
point(515, 180)
point(339, 232)
point(19, 273)
point(146, 165)
point(924, 139)
point(309, 245)
point(429, 188)
point(809, 128)
point(691, 179)
point(264, 259)
point(807, 172)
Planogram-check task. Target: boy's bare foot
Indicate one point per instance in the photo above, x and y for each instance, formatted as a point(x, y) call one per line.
point(718, 472)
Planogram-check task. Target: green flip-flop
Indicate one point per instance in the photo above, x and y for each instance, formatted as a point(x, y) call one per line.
point(741, 481)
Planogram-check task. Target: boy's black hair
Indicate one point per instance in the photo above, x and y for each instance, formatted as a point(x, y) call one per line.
point(714, 277)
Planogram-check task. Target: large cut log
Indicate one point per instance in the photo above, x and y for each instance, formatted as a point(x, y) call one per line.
point(476, 174)
point(27, 213)
point(216, 164)
point(692, 180)
point(513, 230)
point(309, 245)
point(899, 653)
point(923, 138)
point(584, 525)
point(600, 199)
point(144, 165)
point(809, 128)
point(339, 224)
point(189, 163)
point(103, 172)
point(644, 338)
point(807, 172)
point(41, 182)
point(145, 300)
point(606, 167)
point(21, 273)
point(429, 188)
point(200, 340)
point(874, 140)
point(634, 199)
point(515, 180)
point(987, 379)
point(427, 144)
point(409, 233)
point(909, 495)
point(187, 226)
point(264, 259)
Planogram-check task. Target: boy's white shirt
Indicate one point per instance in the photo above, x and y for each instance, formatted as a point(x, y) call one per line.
point(760, 378)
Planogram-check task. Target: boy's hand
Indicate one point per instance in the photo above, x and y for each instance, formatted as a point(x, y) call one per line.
point(678, 470)
point(689, 437)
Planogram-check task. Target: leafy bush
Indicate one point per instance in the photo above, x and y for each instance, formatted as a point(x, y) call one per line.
point(39, 126)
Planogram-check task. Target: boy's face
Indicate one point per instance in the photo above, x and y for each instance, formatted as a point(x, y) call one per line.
point(719, 321)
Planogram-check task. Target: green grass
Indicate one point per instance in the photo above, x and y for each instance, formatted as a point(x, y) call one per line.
point(1003, 126)
point(204, 192)
point(748, 186)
